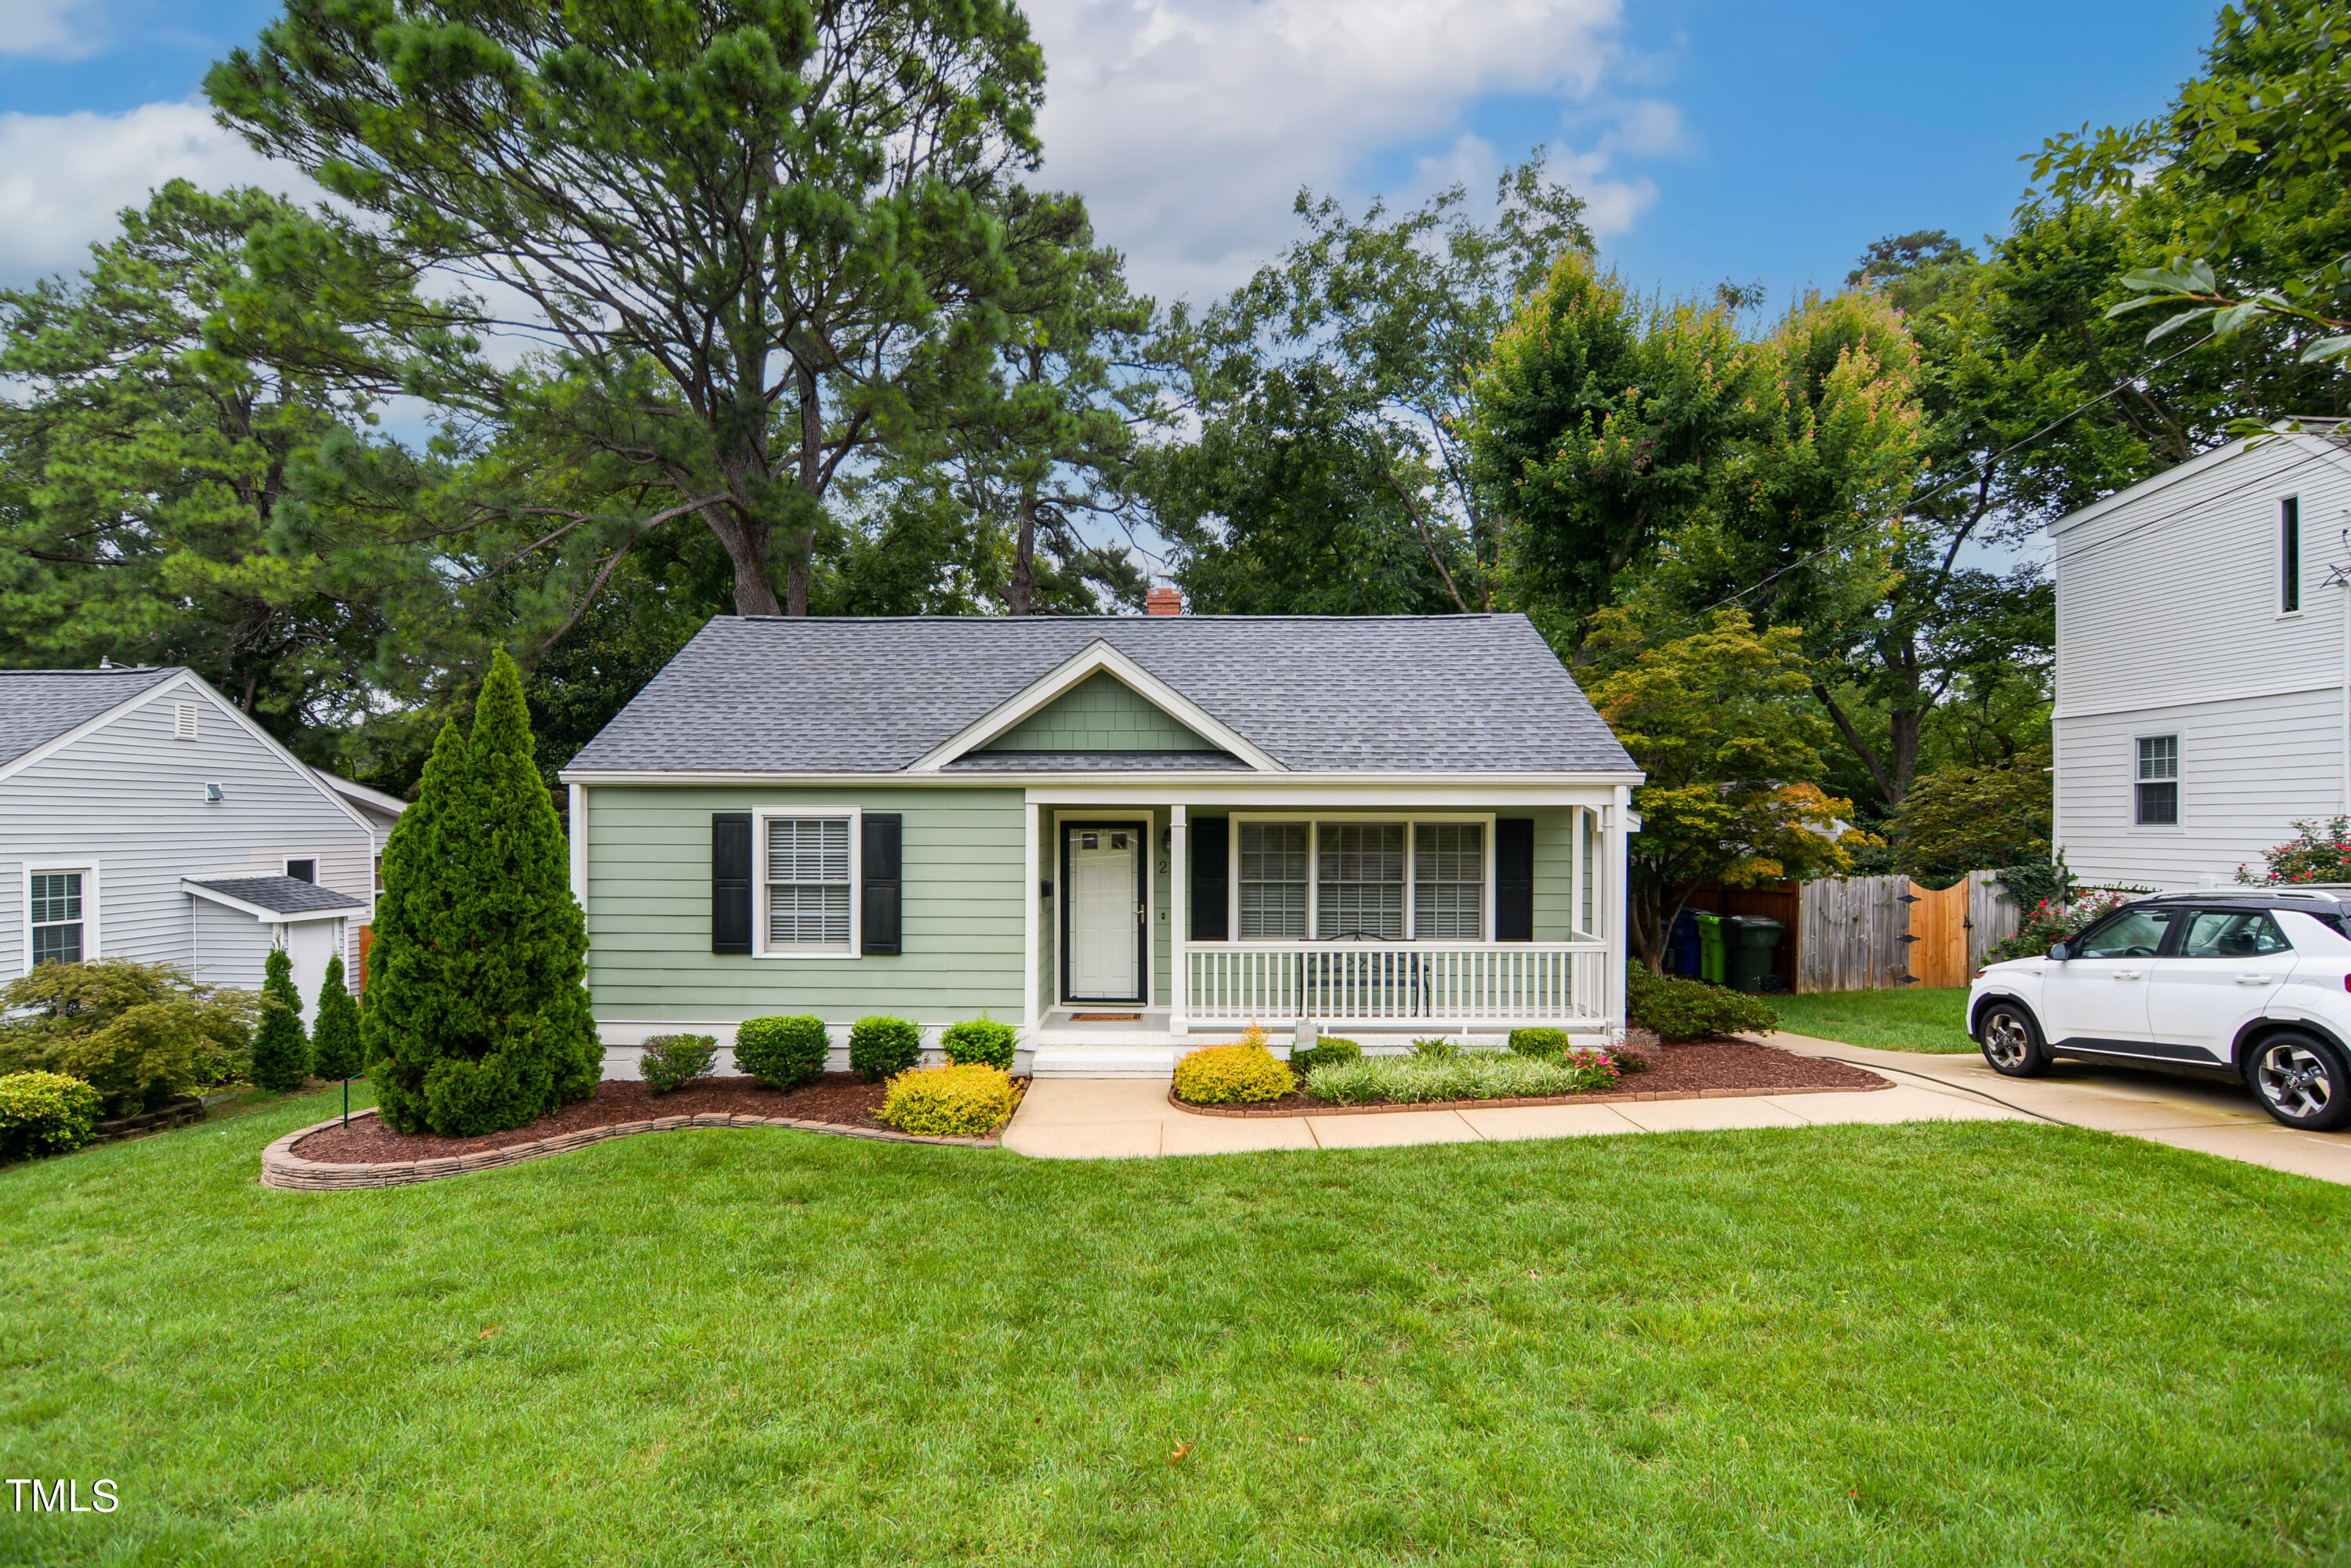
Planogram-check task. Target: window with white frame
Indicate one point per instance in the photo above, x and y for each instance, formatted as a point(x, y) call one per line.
point(57, 916)
point(2156, 802)
point(1448, 880)
point(1360, 877)
point(809, 884)
point(1272, 880)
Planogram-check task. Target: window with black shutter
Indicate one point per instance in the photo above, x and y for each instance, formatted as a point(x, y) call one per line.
point(1211, 845)
point(1514, 879)
point(730, 881)
point(881, 880)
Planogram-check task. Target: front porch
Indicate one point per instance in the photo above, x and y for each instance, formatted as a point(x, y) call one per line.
point(1418, 916)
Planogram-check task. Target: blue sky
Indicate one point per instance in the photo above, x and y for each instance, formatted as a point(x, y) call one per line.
point(1719, 139)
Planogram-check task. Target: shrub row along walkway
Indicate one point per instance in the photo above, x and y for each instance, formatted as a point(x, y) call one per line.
point(1075, 1118)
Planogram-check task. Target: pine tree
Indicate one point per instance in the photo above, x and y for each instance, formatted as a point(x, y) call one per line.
point(281, 1051)
point(335, 1027)
point(477, 1018)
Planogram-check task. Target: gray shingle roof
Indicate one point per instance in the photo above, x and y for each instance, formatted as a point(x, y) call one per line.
point(39, 706)
point(1320, 693)
point(284, 895)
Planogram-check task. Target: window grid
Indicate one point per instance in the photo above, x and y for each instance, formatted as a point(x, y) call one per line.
point(808, 882)
point(1360, 867)
point(57, 917)
point(1448, 880)
point(2155, 792)
point(1274, 879)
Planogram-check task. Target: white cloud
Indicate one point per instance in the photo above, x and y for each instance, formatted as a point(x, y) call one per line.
point(48, 29)
point(1189, 124)
point(64, 176)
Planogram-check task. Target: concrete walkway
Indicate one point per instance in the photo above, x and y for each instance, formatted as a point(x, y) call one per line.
point(1099, 1118)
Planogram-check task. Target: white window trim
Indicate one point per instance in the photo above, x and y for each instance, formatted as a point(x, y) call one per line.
point(318, 868)
point(89, 909)
point(1148, 818)
point(2179, 782)
point(761, 921)
point(1314, 820)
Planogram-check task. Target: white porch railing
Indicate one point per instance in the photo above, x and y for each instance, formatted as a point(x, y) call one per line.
point(1445, 983)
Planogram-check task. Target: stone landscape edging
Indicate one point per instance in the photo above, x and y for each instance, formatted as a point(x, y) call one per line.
point(1546, 1099)
point(282, 1168)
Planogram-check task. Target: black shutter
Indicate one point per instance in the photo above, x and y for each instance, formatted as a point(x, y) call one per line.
point(1210, 840)
point(1514, 879)
point(730, 881)
point(880, 877)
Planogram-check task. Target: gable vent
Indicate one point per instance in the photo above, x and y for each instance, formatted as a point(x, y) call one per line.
point(184, 721)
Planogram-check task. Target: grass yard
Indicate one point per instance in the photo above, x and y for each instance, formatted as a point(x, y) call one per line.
point(1929, 1344)
point(1906, 1020)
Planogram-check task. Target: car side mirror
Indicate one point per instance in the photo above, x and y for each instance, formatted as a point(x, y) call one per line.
point(2057, 952)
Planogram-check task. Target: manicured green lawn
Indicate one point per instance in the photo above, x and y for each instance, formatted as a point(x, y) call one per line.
point(1907, 1019)
point(1924, 1344)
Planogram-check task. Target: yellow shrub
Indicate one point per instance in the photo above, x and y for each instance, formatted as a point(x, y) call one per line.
point(964, 1102)
point(1222, 1074)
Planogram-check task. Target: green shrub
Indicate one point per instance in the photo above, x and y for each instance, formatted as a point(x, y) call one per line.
point(1678, 1009)
point(671, 1061)
point(1435, 1048)
point(964, 1101)
point(281, 1051)
point(1230, 1075)
point(981, 1040)
point(1548, 1044)
point(140, 1034)
point(1470, 1075)
point(881, 1047)
point(478, 1015)
point(783, 1053)
point(1328, 1051)
point(45, 1113)
point(335, 1029)
point(1631, 1053)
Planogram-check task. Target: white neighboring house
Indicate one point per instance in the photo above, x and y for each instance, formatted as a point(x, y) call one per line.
point(142, 816)
point(2203, 645)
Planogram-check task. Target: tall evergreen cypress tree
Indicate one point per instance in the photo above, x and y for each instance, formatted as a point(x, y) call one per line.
point(281, 1051)
point(335, 1027)
point(477, 1018)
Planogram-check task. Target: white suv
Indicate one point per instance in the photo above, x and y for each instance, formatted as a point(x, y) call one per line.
point(2252, 985)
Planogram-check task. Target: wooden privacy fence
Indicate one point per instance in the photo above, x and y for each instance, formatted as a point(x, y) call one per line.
point(1875, 933)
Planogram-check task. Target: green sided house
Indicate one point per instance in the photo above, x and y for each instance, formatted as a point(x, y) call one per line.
point(1132, 835)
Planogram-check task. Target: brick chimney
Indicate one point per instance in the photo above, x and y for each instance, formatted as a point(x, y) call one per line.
point(1163, 601)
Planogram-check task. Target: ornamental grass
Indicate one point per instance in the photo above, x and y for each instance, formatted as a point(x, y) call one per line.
point(1472, 1075)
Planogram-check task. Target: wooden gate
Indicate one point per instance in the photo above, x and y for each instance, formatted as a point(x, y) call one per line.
point(1938, 934)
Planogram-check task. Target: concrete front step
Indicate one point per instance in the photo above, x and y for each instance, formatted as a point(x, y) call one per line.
point(1105, 1060)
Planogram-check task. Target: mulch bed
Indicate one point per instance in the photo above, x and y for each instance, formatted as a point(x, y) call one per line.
point(843, 1099)
point(1720, 1067)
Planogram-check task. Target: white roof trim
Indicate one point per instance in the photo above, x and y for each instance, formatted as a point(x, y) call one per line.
point(57, 743)
point(2309, 443)
point(1169, 783)
point(351, 790)
point(267, 916)
point(1094, 659)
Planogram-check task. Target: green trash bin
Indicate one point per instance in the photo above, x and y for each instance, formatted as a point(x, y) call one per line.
point(1710, 948)
point(1753, 939)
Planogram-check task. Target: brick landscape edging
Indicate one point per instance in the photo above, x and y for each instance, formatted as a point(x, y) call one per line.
point(282, 1168)
point(1505, 1104)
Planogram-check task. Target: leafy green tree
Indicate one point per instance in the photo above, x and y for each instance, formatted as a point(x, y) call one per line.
point(763, 236)
point(281, 1051)
point(167, 397)
point(477, 1016)
point(335, 1050)
point(138, 1033)
point(1721, 723)
point(1962, 819)
point(1603, 423)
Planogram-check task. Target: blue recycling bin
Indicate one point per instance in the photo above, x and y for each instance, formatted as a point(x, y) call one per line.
point(1681, 943)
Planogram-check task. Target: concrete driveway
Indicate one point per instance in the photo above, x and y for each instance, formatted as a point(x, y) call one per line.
point(1114, 1118)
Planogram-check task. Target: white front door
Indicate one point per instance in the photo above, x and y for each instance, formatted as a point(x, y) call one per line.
point(1104, 896)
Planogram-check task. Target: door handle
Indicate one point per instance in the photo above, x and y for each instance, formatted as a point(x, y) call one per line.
point(2127, 974)
point(2253, 980)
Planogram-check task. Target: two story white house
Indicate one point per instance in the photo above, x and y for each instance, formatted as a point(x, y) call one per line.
point(2203, 686)
point(142, 816)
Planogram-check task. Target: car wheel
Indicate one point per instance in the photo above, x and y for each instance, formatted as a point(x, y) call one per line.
point(2011, 1042)
point(2300, 1080)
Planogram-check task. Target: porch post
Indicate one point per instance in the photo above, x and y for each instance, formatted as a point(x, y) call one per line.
point(1179, 962)
point(1031, 920)
point(1611, 905)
